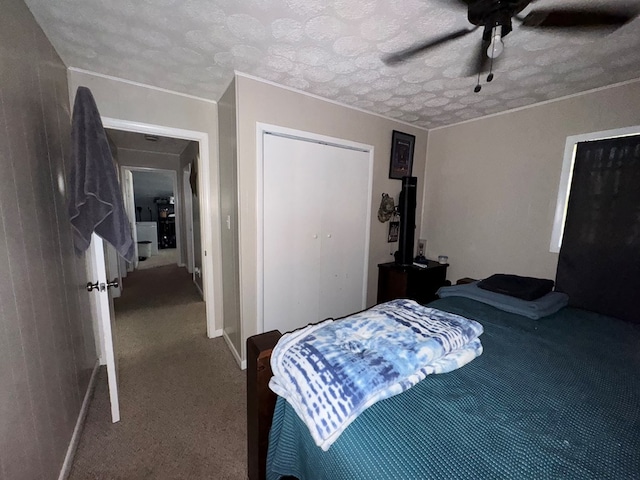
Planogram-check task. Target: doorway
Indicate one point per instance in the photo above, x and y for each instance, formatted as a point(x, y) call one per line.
point(203, 233)
point(158, 218)
point(208, 235)
point(150, 166)
point(161, 302)
point(156, 302)
point(158, 203)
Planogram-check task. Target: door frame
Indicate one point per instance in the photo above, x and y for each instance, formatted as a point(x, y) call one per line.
point(261, 130)
point(204, 190)
point(177, 202)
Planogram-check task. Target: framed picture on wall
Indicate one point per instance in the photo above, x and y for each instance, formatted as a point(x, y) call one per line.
point(394, 230)
point(402, 145)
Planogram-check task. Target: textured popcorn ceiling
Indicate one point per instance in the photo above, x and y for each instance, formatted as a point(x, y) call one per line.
point(332, 48)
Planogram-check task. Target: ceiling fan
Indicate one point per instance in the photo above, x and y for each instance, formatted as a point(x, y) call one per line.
point(495, 17)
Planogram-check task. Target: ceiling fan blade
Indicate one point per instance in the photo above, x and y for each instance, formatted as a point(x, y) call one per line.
point(479, 61)
point(568, 18)
point(456, 3)
point(464, 3)
point(403, 55)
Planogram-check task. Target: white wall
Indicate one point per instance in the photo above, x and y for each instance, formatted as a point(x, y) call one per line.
point(137, 103)
point(491, 184)
point(263, 102)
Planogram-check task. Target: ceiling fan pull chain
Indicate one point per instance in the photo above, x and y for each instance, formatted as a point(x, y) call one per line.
point(478, 86)
point(490, 76)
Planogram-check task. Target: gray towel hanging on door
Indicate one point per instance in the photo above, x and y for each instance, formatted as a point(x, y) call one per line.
point(95, 197)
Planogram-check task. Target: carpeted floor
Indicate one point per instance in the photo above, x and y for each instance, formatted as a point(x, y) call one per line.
point(165, 256)
point(182, 396)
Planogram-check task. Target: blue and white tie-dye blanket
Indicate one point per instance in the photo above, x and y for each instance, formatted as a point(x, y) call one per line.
point(332, 371)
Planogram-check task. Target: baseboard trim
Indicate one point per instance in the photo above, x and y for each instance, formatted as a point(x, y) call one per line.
point(199, 289)
point(82, 416)
point(241, 364)
point(216, 333)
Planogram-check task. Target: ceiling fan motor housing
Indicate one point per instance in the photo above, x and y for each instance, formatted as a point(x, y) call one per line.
point(493, 13)
point(495, 17)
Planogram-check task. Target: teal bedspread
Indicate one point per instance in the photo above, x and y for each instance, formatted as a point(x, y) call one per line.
point(556, 398)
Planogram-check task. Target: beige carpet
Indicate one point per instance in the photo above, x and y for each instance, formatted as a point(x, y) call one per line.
point(182, 396)
point(165, 256)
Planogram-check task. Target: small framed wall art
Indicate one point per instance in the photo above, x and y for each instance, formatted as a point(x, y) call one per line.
point(394, 230)
point(402, 145)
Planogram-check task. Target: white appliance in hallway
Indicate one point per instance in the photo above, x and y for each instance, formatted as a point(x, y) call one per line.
point(148, 232)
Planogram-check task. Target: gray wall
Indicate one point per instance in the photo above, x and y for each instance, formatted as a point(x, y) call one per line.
point(47, 349)
point(229, 208)
point(492, 184)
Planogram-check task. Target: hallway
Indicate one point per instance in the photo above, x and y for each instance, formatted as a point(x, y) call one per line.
point(182, 396)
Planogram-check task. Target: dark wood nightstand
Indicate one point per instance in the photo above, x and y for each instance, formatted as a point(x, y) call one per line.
point(410, 281)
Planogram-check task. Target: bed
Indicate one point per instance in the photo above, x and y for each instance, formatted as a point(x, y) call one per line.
point(557, 397)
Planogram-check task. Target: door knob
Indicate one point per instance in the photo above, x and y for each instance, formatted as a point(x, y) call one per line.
point(101, 286)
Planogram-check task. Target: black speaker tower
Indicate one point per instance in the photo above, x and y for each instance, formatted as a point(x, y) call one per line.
point(407, 210)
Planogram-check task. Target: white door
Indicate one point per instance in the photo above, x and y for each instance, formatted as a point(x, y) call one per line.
point(315, 231)
point(188, 215)
point(292, 234)
point(103, 301)
point(344, 232)
point(130, 207)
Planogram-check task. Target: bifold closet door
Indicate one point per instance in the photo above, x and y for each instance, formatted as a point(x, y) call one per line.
point(315, 201)
point(292, 217)
point(344, 233)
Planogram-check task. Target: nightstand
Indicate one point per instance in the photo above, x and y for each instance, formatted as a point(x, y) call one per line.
point(410, 281)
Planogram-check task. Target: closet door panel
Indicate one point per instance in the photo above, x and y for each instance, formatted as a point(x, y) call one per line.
point(344, 226)
point(292, 233)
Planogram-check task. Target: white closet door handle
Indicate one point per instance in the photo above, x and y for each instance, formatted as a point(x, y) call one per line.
point(328, 235)
point(315, 236)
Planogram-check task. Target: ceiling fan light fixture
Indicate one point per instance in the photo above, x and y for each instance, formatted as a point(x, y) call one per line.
point(496, 46)
point(495, 17)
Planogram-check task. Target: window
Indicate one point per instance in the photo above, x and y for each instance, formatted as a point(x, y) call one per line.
point(567, 175)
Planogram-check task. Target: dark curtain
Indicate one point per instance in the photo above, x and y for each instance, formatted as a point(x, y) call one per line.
point(599, 262)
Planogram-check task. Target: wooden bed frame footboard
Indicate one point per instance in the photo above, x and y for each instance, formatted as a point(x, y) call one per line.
point(261, 401)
